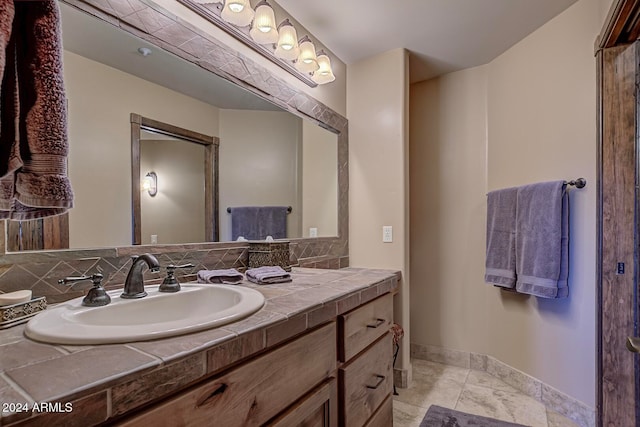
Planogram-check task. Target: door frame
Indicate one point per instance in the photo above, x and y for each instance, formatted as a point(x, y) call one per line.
point(618, 121)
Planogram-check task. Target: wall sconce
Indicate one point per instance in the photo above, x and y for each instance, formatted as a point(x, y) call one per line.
point(150, 183)
point(258, 30)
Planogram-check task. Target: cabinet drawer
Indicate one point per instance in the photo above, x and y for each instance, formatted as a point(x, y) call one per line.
point(383, 417)
point(366, 382)
point(252, 394)
point(362, 326)
point(317, 409)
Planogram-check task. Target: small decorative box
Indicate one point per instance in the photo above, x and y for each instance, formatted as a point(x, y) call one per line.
point(263, 253)
point(14, 314)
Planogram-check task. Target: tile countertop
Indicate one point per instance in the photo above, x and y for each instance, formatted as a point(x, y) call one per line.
point(85, 385)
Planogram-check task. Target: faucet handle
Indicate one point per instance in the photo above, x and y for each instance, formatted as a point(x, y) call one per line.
point(171, 267)
point(97, 296)
point(170, 283)
point(70, 281)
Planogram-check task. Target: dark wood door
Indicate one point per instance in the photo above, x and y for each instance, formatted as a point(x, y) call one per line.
point(38, 234)
point(617, 51)
point(618, 234)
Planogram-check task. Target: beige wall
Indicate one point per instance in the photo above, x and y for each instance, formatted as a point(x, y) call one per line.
point(176, 213)
point(378, 191)
point(527, 116)
point(100, 102)
point(448, 186)
point(259, 153)
point(331, 94)
point(319, 180)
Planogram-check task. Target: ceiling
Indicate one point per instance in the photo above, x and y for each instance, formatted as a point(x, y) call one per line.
point(441, 35)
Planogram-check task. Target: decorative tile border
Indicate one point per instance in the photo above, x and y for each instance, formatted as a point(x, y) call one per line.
point(554, 399)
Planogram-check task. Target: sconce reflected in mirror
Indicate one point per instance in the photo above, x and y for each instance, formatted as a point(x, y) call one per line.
point(150, 183)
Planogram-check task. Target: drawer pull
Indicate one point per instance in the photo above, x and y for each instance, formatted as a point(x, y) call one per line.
point(211, 395)
point(379, 322)
point(381, 379)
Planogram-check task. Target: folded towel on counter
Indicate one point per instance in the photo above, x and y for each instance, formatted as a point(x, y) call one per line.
point(500, 260)
point(33, 113)
point(542, 239)
point(229, 276)
point(268, 275)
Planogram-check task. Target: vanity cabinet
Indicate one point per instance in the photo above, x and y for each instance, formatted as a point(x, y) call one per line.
point(257, 391)
point(340, 374)
point(366, 374)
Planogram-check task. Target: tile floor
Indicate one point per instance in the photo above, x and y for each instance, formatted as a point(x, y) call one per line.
point(469, 391)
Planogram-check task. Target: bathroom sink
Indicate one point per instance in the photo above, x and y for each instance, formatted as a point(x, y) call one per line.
point(158, 315)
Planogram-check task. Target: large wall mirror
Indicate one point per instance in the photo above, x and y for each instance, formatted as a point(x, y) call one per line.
point(267, 154)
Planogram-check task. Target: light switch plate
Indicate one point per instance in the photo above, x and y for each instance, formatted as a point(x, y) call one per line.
point(313, 232)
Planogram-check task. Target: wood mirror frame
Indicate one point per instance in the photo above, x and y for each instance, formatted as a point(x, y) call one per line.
point(211, 188)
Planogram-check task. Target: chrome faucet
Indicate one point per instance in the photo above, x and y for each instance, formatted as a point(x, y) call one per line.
point(134, 284)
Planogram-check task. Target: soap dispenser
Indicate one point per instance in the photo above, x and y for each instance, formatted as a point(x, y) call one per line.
point(170, 283)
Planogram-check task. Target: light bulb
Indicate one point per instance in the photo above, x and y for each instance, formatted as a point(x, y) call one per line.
point(263, 30)
point(324, 74)
point(287, 47)
point(236, 6)
point(307, 61)
point(237, 12)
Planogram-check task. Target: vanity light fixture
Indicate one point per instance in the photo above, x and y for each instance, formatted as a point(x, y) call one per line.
point(287, 47)
point(150, 183)
point(263, 29)
point(237, 12)
point(278, 44)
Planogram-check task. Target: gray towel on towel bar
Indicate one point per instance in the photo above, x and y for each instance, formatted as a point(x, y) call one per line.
point(229, 276)
point(268, 275)
point(244, 222)
point(500, 261)
point(542, 239)
point(258, 222)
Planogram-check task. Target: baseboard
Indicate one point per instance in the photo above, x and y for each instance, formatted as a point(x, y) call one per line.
point(401, 378)
point(552, 398)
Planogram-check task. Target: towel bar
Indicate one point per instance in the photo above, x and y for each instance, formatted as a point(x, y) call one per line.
point(579, 183)
point(289, 209)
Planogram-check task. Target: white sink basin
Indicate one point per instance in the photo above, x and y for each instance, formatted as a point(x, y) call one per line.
point(158, 315)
